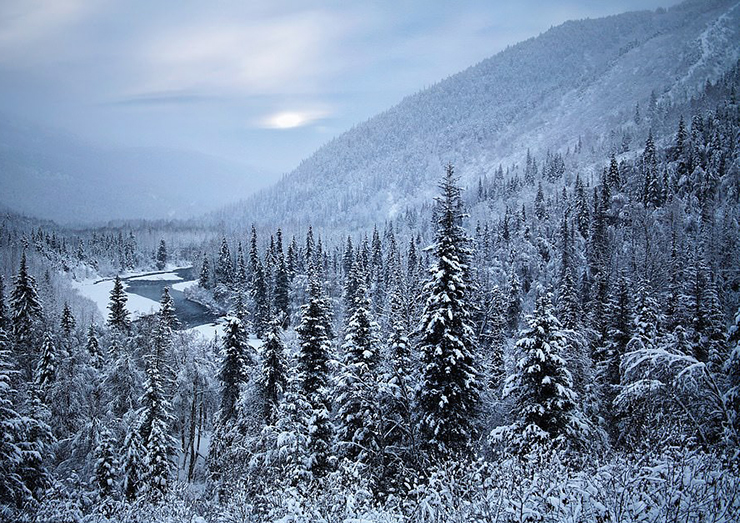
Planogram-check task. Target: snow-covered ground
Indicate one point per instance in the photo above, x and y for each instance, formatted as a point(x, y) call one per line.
point(209, 330)
point(158, 277)
point(181, 286)
point(99, 292)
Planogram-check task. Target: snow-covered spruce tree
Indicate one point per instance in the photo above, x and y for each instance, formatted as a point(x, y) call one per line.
point(36, 443)
point(544, 408)
point(93, 348)
point(3, 308)
point(281, 293)
point(68, 322)
point(261, 298)
point(12, 488)
point(233, 373)
point(273, 377)
point(732, 396)
point(314, 334)
point(713, 335)
point(620, 325)
point(167, 312)
point(161, 255)
point(158, 465)
point(204, 280)
point(514, 306)
point(118, 317)
point(224, 265)
point(132, 464)
point(106, 467)
point(233, 376)
point(46, 369)
point(396, 391)
point(356, 386)
point(155, 418)
point(356, 277)
point(450, 389)
point(648, 319)
point(26, 315)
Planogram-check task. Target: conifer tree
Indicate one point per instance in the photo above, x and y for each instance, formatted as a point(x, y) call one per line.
point(582, 208)
point(241, 267)
point(36, 444)
point(514, 306)
point(619, 313)
point(261, 299)
point(155, 417)
point(314, 334)
point(449, 393)
point(118, 318)
point(161, 256)
point(162, 344)
point(233, 373)
point(167, 312)
point(732, 396)
point(358, 431)
point(273, 378)
point(569, 305)
point(714, 334)
point(26, 316)
point(47, 367)
point(224, 266)
point(105, 465)
point(544, 410)
point(12, 487)
point(3, 309)
point(282, 289)
point(204, 280)
point(613, 180)
point(93, 348)
point(132, 463)
point(68, 322)
point(539, 204)
point(648, 321)
point(158, 466)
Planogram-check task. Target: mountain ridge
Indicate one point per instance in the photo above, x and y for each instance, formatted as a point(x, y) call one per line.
point(573, 82)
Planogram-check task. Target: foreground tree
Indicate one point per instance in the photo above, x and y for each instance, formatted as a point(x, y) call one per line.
point(314, 335)
point(450, 388)
point(544, 408)
point(233, 373)
point(155, 419)
point(357, 400)
point(273, 377)
point(105, 465)
point(12, 487)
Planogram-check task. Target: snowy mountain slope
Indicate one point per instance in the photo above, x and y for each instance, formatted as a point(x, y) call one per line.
point(52, 175)
point(579, 79)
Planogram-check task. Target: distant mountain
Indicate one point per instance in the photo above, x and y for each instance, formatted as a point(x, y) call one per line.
point(576, 83)
point(49, 174)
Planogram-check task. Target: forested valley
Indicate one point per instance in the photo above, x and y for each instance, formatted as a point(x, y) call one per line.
point(541, 344)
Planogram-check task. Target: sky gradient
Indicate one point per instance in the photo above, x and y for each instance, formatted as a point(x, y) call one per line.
point(261, 82)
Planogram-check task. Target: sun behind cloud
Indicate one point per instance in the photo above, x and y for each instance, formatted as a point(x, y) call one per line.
point(291, 119)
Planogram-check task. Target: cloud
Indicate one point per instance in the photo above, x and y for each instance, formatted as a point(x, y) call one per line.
point(286, 53)
point(25, 23)
point(291, 119)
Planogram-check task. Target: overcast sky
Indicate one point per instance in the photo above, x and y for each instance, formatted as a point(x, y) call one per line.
point(264, 82)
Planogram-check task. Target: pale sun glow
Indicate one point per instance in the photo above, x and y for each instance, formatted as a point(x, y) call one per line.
point(291, 119)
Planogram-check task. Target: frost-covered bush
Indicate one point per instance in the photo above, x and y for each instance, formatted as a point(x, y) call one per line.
point(677, 486)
